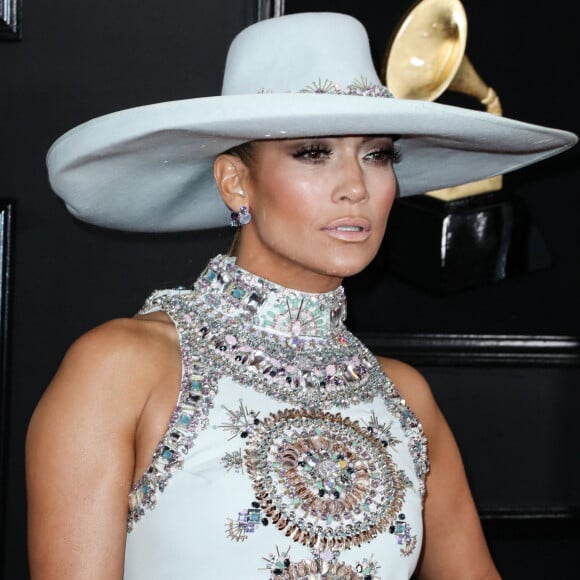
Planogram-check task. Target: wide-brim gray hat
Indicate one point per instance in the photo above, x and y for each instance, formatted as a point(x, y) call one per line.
point(149, 168)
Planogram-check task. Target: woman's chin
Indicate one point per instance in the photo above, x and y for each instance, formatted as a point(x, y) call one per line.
point(344, 268)
point(354, 261)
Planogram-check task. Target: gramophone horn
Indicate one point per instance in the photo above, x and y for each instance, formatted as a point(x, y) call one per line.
point(426, 56)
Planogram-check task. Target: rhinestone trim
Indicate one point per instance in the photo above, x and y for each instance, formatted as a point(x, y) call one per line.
point(361, 87)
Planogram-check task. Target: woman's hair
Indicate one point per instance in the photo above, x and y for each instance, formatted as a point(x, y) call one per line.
point(245, 152)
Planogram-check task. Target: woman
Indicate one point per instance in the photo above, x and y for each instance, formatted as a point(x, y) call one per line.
point(241, 426)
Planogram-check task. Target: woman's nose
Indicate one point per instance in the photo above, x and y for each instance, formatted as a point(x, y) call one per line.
point(351, 184)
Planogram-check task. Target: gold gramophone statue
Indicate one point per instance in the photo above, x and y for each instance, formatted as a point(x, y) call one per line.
point(463, 236)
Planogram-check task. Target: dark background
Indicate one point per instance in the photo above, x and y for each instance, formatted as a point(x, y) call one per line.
point(515, 422)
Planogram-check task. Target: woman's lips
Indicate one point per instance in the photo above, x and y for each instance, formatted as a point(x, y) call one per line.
point(349, 229)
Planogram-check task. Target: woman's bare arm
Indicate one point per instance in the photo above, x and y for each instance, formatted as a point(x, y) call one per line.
point(454, 547)
point(82, 444)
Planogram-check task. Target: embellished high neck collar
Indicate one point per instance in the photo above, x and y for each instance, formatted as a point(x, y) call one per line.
point(270, 307)
point(291, 345)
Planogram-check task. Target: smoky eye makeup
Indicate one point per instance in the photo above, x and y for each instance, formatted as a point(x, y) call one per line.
point(379, 149)
point(396, 155)
point(311, 150)
point(384, 155)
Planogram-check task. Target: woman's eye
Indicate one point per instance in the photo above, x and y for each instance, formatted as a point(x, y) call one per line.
point(312, 153)
point(384, 156)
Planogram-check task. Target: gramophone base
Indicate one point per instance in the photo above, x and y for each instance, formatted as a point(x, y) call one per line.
point(448, 246)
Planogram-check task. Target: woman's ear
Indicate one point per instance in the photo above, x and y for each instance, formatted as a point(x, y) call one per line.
point(230, 174)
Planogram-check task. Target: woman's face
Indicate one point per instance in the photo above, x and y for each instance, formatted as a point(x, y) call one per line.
point(319, 208)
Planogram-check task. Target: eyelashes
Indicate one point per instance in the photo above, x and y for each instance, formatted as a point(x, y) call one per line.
point(385, 156)
point(317, 152)
point(312, 152)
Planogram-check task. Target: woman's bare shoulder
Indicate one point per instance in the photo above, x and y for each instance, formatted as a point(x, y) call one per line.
point(125, 341)
point(143, 331)
point(120, 360)
point(86, 423)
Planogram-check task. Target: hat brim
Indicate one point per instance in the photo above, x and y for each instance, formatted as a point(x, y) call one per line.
point(149, 168)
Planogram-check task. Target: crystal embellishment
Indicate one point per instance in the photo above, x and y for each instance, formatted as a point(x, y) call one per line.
point(233, 323)
point(360, 87)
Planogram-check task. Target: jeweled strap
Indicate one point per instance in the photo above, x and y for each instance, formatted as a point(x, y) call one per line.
point(195, 399)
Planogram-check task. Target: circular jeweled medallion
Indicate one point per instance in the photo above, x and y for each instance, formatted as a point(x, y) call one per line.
point(324, 480)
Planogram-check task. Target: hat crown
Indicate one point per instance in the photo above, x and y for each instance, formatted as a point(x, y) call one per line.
point(299, 52)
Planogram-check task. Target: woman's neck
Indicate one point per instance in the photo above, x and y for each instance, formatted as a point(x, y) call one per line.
point(289, 274)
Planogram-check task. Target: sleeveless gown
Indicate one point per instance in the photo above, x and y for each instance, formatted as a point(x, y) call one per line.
point(289, 453)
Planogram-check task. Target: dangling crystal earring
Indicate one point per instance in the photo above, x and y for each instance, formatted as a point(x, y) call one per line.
point(240, 218)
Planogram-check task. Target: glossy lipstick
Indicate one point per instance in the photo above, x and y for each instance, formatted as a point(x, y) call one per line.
point(349, 229)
